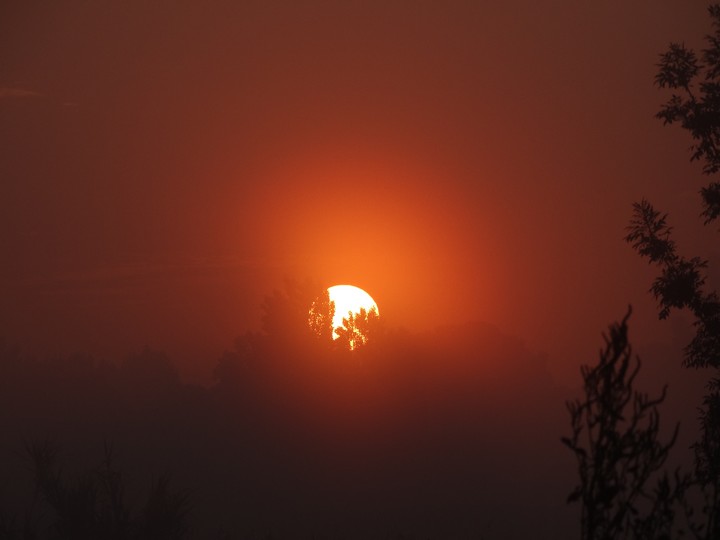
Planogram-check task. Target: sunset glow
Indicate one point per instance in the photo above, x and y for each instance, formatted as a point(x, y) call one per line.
point(204, 203)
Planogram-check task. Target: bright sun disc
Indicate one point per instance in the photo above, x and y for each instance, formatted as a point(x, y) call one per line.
point(349, 298)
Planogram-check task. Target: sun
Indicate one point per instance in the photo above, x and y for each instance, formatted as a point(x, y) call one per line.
point(349, 299)
point(354, 320)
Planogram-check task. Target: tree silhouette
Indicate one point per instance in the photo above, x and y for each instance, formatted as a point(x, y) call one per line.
point(615, 439)
point(680, 285)
point(358, 328)
point(695, 104)
point(93, 506)
point(300, 310)
point(320, 316)
point(305, 309)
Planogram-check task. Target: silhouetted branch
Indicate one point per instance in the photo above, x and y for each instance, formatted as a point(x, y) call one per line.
point(615, 439)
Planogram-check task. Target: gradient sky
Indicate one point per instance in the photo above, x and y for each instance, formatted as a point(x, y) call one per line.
point(165, 165)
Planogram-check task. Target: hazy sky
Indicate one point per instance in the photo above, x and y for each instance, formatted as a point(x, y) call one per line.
point(164, 165)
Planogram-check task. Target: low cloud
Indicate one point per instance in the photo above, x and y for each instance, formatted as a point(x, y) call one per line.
point(7, 92)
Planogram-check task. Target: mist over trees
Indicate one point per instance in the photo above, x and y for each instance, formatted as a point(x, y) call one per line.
point(422, 435)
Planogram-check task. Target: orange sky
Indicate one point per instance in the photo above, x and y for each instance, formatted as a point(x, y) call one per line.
point(164, 169)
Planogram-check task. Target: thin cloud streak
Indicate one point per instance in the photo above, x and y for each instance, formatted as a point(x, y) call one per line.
point(14, 92)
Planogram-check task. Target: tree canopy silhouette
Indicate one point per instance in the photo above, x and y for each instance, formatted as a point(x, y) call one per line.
point(93, 506)
point(302, 309)
point(305, 310)
point(358, 329)
point(320, 316)
point(694, 80)
point(695, 103)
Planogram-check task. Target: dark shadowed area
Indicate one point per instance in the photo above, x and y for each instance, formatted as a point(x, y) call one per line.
point(412, 436)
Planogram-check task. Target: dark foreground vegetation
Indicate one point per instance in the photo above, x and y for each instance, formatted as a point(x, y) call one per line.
point(615, 435)
point(448, 434)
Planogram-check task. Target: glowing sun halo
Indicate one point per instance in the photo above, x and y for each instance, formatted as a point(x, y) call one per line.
point(349, 298)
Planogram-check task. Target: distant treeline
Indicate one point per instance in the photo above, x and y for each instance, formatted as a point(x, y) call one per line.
point(447, 434)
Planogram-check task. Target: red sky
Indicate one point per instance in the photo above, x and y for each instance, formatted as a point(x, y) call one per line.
point(165, 166)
